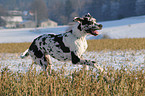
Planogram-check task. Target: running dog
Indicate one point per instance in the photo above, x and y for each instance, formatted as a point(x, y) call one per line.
point(68, 46)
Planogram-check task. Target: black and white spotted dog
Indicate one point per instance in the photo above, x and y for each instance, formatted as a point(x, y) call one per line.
point(68, 46)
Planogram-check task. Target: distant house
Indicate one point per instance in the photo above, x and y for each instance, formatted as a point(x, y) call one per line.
point(11, 21)
point(28, 15)
point(48, 23)
point(15, 13)
point(12, 18)
point(26, 24)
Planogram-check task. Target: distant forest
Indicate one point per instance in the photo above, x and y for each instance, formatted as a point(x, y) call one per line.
point(63, 11)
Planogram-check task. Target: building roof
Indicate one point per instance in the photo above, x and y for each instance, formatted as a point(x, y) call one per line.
point(12, 18)
point(48, 20)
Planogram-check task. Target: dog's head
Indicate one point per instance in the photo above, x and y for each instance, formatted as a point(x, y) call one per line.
point(88, 24)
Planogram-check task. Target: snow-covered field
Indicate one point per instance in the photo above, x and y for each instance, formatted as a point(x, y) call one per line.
point(133, 27)
point(116, 59)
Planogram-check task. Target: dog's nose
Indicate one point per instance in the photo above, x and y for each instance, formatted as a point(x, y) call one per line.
point(100, 25)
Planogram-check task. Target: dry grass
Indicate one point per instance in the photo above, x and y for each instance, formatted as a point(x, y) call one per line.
point(13, 47)
point(93, 45)
point(118, 83)
point(116, 44)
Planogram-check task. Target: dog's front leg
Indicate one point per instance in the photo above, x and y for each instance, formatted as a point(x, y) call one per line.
point(85, 67)
point(77, 60)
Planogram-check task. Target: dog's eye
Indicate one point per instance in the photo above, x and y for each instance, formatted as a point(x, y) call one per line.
point(90, 22)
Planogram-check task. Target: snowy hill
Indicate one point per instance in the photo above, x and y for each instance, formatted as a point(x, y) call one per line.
point(27, 34)
point(133, 27)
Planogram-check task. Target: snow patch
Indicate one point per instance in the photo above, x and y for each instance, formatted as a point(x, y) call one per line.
point(131, 59)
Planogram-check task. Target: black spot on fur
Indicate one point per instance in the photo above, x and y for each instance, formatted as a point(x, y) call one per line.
point(65, 59)
point(57, 45)
point(58, 51)
point(86, 21)
point(44, 49)
point(49, 50)
point(45, 59)
point(79, 27)
point(38, 53)
point(75, 59)
point(65, 35)
point(62, 56)
point(41, 63)
point(51, 35)
point(93, 62)
point(32, 45)
point(45, 66)
point(58, 59)
point(34, 48)
point(39, 37)
point(70, 31)
point(52, 55)
point(43, 39)
point(40, 43)
point(61, 45)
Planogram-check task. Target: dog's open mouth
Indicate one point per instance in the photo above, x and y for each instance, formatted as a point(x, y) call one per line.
point(94, 32)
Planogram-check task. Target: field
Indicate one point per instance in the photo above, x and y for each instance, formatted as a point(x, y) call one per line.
point(123, 60)
point(93, 45)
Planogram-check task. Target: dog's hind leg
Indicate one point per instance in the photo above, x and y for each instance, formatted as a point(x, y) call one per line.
point(48, 69)
point(43, 60)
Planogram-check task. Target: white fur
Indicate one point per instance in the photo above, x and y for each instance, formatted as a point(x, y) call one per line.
point(76, 41)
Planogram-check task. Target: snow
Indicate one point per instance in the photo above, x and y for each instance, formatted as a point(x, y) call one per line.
point(132, 27)
point(132, 59)
point(27, 34)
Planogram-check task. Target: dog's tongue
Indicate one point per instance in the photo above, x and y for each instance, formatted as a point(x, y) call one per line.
point(95, 32)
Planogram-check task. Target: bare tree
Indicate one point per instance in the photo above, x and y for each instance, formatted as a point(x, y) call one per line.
point(40, 9)
point(3, 12)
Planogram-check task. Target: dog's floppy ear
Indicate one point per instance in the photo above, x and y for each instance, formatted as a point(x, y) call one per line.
point(78, 19)
point(88, 15)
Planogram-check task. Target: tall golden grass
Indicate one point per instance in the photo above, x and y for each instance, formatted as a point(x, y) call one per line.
point(93, 45)
point(116, 44)
point(13, 47)
point(118, 83)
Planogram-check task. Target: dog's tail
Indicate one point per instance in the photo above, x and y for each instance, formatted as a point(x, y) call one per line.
point(25, 54)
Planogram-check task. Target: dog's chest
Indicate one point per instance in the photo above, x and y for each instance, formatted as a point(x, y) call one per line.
point(77, 45)
point(81, 45)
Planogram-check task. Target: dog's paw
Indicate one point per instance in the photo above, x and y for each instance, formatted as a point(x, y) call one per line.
point(98, 67)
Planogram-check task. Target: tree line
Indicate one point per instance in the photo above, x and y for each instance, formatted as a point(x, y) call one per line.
point(63, 11)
